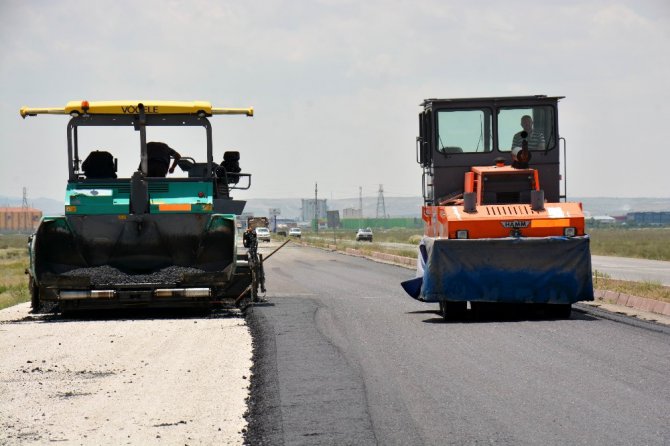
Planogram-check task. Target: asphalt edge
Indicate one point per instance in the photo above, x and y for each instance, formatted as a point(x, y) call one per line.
point(264, 416)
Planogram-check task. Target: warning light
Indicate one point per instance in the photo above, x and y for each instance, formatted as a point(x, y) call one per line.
point(84, 105)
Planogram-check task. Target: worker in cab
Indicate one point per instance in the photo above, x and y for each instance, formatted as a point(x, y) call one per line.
point(534, 137)
point(159, 155)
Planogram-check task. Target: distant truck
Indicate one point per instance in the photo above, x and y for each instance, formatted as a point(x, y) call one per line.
point(258, 222)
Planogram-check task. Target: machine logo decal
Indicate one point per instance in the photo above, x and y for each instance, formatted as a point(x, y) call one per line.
point(515, 224)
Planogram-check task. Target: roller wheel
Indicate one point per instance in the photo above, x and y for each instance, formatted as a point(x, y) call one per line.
point(453, 310)
point(561, 311)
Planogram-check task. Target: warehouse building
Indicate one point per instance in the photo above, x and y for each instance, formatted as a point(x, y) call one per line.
point(19, 219)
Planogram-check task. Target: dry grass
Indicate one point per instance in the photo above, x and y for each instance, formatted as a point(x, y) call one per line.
point(13, 280)
point(649, 290)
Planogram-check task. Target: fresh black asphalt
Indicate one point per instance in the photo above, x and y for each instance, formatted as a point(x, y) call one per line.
point(343, 357)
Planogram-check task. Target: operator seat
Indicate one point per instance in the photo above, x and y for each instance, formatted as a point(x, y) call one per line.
point(99, 164)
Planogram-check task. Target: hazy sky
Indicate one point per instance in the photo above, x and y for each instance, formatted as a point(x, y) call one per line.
point(336, 84)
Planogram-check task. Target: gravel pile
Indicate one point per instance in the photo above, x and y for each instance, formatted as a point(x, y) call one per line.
point(107, 275)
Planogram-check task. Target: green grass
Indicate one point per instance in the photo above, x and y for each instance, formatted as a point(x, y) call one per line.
point(13, 263)
point(641, 243)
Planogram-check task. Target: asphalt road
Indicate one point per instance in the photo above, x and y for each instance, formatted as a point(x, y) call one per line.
point(342, 356)
point(633, 269)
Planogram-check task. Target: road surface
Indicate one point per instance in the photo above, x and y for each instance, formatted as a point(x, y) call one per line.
point(640, 270)
point(344, 357)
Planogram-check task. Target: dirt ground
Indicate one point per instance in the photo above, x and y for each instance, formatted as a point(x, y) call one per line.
point(151, 380)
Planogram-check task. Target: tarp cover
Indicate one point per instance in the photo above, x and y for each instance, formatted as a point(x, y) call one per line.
point(523, 270)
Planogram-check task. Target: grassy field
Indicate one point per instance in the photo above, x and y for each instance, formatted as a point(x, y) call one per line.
point(13, 262)
point(642, 243)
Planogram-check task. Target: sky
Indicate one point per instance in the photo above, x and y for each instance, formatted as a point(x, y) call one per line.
point(336, 85)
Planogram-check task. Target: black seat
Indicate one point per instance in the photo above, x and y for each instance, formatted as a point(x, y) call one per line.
point(99, 164)
point(230, 167)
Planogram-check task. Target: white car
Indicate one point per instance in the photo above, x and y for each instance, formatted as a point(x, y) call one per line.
point(263, 234)
point(295, 232)
point(364, 234)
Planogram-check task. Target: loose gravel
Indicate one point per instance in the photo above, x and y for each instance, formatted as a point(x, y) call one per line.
point(108, 275)
point(146, 380)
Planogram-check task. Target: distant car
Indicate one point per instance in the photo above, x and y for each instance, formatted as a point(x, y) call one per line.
point(364, 234)
point(263, 234)
point(295, 232)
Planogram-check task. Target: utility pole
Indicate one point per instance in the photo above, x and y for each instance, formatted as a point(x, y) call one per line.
point(316, 206)
point(360, 201)
point(380, 202)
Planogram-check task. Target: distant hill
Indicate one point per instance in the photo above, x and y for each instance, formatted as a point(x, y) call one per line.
point(621, 206)
point(395, 206)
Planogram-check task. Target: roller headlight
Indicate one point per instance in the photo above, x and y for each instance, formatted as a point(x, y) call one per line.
point(570, 231)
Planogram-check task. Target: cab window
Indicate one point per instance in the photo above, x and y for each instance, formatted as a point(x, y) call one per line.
point(464, 131)
point(537, 123)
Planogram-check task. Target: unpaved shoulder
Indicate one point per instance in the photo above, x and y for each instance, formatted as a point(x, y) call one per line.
point(178, 380)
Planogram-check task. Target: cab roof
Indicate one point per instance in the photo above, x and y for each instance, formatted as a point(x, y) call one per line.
point(130, 107)
point(498, 99)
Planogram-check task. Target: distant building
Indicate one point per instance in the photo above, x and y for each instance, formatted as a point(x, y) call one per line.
point(649, 218)
point(308, 209)
point(352, 213)
point(603, 219)
point(19, 219)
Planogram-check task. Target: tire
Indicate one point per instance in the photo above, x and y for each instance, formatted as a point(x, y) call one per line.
point(35, 302)
point(452, 311)
point(560, 311)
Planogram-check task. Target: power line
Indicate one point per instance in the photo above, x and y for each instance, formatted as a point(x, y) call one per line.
point(380, 201)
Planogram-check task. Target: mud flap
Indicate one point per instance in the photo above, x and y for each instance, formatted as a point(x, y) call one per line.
point(554, 270)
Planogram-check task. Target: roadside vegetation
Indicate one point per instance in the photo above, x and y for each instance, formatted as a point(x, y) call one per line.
point(650, 290)
point(13, 262)
point(641, 243)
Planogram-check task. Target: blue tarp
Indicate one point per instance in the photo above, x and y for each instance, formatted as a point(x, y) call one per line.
point(553, 270)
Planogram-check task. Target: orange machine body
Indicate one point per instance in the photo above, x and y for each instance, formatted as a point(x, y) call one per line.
point(502, 209)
